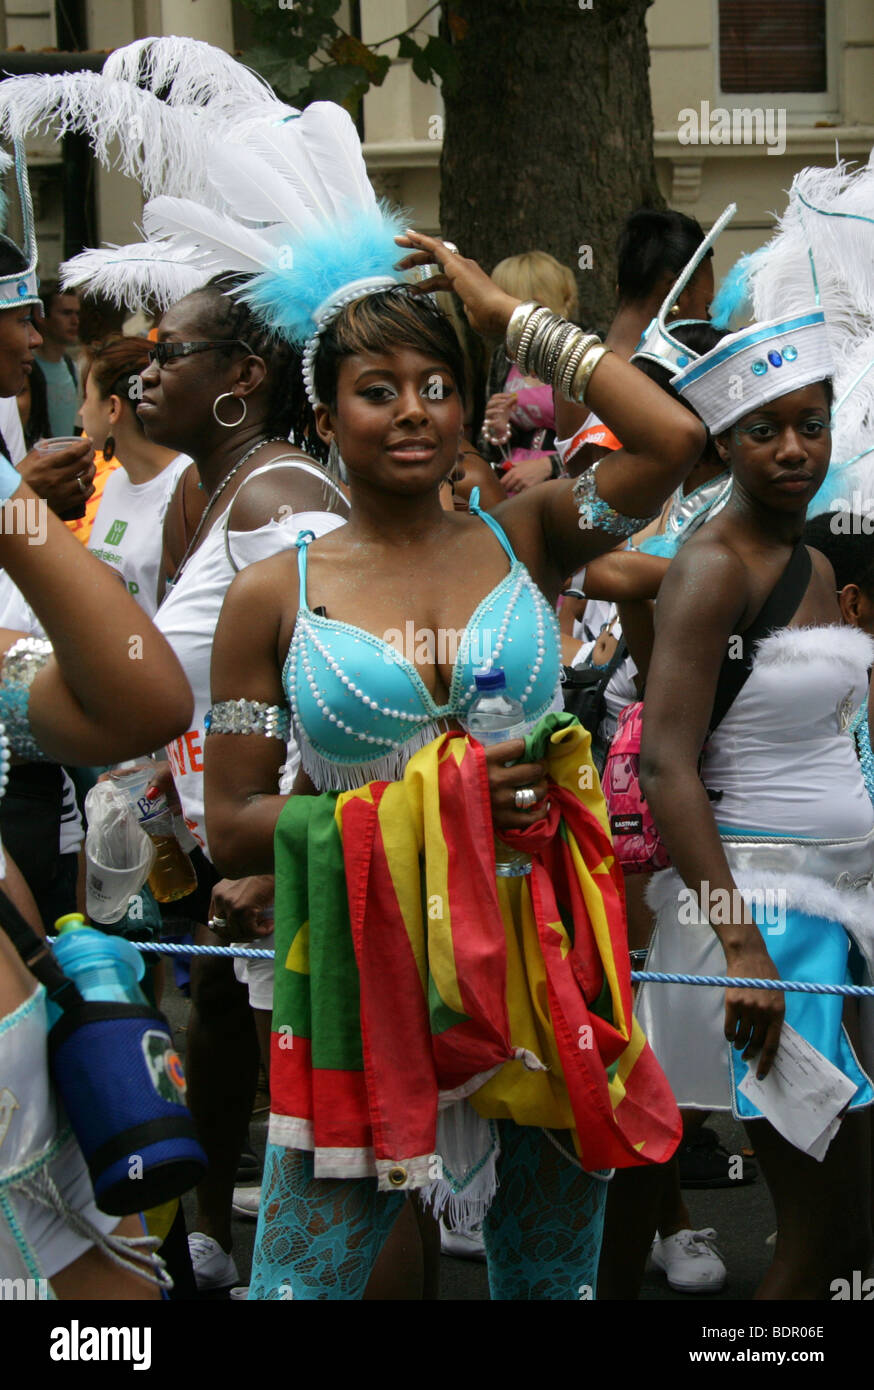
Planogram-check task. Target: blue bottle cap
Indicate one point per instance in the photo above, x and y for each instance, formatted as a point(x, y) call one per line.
point(490, 678)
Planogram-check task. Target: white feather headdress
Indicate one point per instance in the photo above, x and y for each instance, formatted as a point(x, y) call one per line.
point(153, 273)
point(823, 250)
point(236, 181)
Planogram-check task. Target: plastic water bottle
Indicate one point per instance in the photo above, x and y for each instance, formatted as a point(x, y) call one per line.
point(103, 967)
point(496, 717)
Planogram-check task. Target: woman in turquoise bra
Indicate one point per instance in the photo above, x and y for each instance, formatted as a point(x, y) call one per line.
point(368, 638)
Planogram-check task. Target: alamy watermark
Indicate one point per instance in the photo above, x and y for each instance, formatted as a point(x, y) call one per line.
point(854, 517)
point(25, 516)
point(719, 907)
point(425, 646)
point(742, 125)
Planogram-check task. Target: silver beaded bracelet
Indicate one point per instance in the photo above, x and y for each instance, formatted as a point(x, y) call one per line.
point(249, 717)
point(598, 515)
point(18, 668)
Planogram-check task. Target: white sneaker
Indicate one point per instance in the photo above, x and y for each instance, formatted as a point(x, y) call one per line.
point(239, 1294)
point(464, 1245)
point(246, 1201)
point(213, 1269)
point(690, 1260)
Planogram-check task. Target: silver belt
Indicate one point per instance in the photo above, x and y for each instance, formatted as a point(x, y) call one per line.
point(846, 864)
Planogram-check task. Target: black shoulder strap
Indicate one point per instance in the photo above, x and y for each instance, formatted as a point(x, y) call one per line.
point(37, 955)
point(779, 608)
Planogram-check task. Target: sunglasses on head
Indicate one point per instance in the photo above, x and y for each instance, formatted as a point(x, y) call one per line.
point(162, 353)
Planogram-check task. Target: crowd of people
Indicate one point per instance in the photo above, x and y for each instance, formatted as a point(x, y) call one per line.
point(285, 463)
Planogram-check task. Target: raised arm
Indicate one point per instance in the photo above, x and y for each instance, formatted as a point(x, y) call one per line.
point(113, 688)
point(702, 601)
point(242, 770)
point(661, 439)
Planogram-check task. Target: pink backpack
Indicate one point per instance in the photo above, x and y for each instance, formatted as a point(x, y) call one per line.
point(638, 845)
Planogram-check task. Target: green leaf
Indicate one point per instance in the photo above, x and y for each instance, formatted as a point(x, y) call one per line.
point(440, 56)
point(421, 66)
point(343, 85)
point(288, 77)
point(407, 47)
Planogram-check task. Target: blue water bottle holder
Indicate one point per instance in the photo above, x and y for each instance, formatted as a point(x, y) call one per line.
point(118, 1074)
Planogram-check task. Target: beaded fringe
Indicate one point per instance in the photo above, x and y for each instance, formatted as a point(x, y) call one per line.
point(328, 775)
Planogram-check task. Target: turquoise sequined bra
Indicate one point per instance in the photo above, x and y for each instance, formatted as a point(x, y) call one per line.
point(359, 707)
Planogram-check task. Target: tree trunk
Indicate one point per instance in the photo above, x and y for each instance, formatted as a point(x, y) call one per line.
point(548, 136)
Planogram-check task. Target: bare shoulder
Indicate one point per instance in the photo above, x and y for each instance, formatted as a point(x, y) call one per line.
point(822, 566)
point(708, 577)
point(296, 484)
point(267, 586)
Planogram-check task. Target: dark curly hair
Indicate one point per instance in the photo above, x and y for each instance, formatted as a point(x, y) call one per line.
point(288, 410)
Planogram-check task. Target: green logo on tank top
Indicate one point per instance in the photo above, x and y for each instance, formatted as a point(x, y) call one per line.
point(115, 533)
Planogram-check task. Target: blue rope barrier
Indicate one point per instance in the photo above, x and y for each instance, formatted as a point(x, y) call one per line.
point(657, 977)
point(638, 977)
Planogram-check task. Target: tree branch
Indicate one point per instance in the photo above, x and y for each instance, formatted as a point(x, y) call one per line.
point(410, 29)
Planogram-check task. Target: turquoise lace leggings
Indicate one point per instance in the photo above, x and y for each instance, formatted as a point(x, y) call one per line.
point(319, 1238)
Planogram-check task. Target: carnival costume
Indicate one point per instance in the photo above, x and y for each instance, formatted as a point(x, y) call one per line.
point(284, 198)
point(810, 894)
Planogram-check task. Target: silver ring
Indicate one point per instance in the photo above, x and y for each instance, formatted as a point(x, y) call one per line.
point(525, 798)
point(215, 923)
point(450, 246)
point(83, 486)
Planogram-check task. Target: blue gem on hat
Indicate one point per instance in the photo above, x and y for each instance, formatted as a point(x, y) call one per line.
point(22, 288)
point(775, 359)
point(790, 353)
point(682, 360)
point(759, 367)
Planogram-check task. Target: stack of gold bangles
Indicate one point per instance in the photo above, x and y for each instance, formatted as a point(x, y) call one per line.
point(546, 346)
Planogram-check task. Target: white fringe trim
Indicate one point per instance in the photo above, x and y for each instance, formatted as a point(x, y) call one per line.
point(328, 775)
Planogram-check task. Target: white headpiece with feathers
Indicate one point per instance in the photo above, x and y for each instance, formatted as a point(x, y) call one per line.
point(237, 182)
point(823, 250)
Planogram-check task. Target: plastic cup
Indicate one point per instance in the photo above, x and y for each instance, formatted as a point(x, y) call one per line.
point(60, 441)
point(108, 891)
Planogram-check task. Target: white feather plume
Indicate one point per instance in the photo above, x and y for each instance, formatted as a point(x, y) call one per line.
point(162, 147)
point(209, 239)
point(250, 189)
point(828, 227)
point(142, 274)
point(189, 72)
point(318, 154)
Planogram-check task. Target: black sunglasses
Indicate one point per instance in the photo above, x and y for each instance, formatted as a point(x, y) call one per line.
point(162, 353)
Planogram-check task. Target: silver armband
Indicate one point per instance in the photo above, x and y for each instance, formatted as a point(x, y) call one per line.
point(598, 515)
point(21, 663)
point(249, 717)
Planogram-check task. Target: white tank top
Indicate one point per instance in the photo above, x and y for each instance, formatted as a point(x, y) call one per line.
point(782, 757)
point(188, 617)
point(127, 529)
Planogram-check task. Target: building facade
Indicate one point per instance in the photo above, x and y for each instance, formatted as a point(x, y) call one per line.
point(744, 94)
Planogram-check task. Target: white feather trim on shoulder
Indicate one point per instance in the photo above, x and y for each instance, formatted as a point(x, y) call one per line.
point(848, 645)
point(797, 892)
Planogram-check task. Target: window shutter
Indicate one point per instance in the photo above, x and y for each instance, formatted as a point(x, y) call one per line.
point(774, 48)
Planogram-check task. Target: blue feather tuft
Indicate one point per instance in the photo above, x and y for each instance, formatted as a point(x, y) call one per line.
point(363, 245)
point(731, 306)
